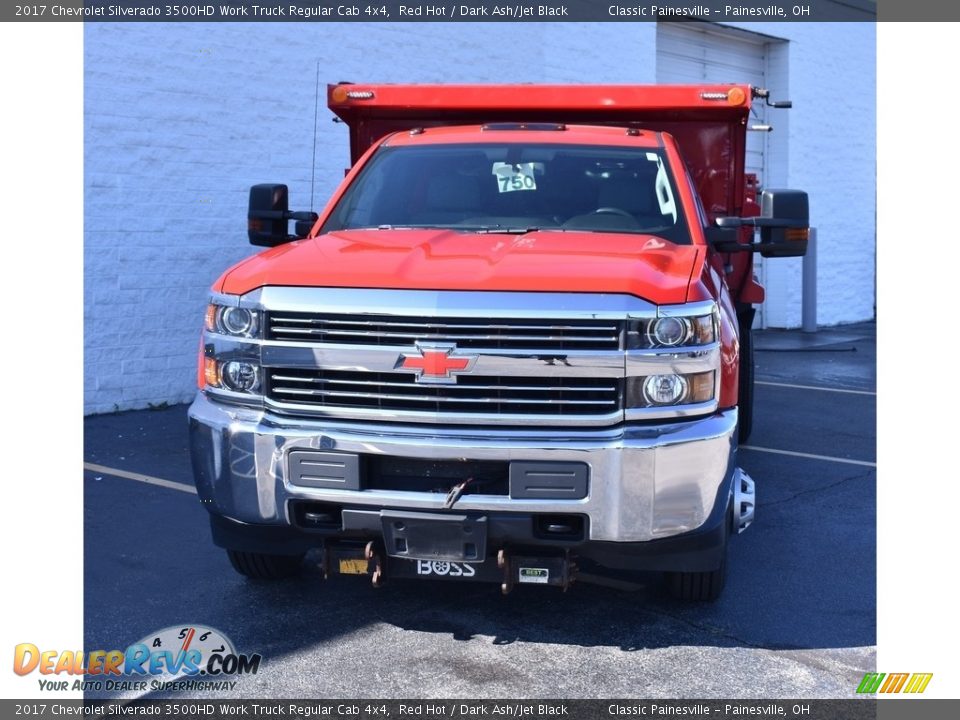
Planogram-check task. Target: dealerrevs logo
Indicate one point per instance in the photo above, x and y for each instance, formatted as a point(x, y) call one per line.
point(178, 657)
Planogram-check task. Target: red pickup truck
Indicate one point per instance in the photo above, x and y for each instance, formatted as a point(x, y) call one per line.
point(513, 347)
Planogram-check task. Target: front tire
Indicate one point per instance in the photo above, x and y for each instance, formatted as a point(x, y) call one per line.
point(697, 586)
point(260, 566)
point(707, 585)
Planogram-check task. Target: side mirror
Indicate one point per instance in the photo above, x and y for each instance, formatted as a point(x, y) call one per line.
point(268, 216)
point(784, 223)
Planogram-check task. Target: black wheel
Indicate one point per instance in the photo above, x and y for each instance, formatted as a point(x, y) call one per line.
point(264, 567)
point(745, 402)
point(703, 586)
point(697, 586)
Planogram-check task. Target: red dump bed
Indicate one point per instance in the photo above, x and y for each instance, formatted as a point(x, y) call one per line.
point(708, 121)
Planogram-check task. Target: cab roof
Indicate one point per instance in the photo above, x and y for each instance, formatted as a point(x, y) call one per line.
point(539, 133)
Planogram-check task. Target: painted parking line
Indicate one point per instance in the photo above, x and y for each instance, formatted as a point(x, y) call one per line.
point(816, 387)
point(139, 477)
point(810, 456)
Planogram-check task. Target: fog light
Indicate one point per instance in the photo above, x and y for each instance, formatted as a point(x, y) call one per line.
point(240, 376)
point(664, 389)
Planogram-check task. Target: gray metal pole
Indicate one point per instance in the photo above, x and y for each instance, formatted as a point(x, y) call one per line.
point(810, 284)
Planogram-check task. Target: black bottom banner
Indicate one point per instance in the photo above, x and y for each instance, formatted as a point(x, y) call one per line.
point(852, 709)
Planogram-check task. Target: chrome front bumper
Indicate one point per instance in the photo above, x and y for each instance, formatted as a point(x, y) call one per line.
point(645, 482)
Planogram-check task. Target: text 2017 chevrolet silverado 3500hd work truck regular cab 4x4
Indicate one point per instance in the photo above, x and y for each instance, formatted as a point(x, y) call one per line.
point(513, 347)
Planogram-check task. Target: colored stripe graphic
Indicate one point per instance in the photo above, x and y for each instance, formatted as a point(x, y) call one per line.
point(870, 682)
point(918, 683)
point(894, 682)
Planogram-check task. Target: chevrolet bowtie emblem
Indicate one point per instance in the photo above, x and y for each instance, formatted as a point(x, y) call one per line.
point(436, 363)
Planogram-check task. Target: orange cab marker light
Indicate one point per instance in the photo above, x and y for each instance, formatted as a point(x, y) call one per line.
point(736, 96)
point(342, 93)
point(798, 234)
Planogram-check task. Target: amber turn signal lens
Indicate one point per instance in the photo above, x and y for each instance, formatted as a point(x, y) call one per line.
point(339, 94)
point(798, 234)
point(700, 387)
point(211, 372)
point(736, 96)
point(210, 319)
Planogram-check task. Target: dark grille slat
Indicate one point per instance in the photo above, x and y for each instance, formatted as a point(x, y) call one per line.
point(433, 398)
point(498, 388)
point(509, 334)
point(400, 392)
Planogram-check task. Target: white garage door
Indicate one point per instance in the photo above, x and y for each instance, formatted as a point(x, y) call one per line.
point(697, 53)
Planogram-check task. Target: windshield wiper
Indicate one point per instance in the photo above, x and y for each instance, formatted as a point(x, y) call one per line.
point(507, 230)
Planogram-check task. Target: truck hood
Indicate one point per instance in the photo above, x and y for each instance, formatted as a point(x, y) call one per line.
point(645, 266)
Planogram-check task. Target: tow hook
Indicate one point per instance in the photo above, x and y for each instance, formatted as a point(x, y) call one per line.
point(373, 557)
point(559, 571)
point(503, 562)
point(744, 500)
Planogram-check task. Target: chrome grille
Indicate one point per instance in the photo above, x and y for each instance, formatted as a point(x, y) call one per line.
point(390, 391)
point(512, 334)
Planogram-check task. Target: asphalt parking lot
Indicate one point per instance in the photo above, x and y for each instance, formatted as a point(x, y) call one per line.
point(797, 618)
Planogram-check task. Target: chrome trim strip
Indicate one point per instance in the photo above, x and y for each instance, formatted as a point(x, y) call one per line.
point(612, 327)
point(506, 363)
point(216, 298)
point(236, 398)
point(671, 411)
point(444, 336)
point(450, 303)
point(691, 309)
point(658, 361)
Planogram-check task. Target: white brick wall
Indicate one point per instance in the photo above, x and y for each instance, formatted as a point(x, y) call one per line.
point(180, 119)
point(831, 153)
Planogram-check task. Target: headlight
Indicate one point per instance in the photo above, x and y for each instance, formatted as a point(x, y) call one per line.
point(671, 331)
point(233, 321)
point(670, 389)
point(230, 353)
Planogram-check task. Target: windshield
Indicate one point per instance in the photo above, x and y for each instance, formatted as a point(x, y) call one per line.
point(514, 188)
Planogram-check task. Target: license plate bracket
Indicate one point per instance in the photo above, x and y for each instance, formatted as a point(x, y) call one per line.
point(430, 536)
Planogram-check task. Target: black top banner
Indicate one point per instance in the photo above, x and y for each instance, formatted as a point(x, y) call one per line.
point(476, 11)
